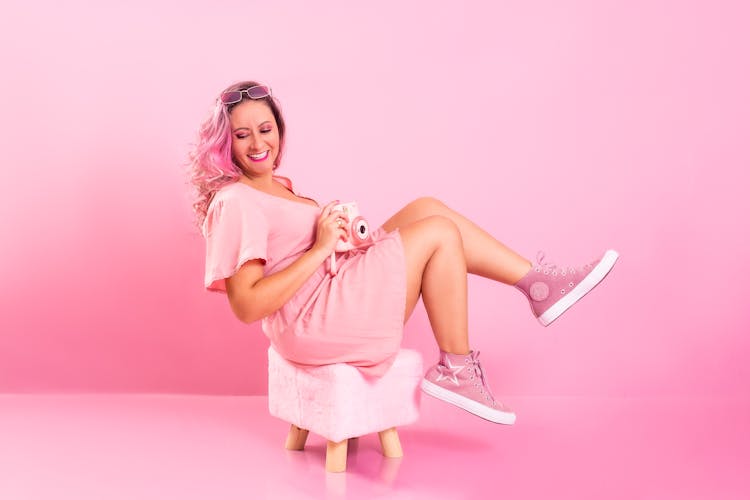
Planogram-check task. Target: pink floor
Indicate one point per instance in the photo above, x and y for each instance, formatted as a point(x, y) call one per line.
point(196, 447)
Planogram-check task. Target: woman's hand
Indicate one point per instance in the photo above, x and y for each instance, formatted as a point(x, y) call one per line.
point(332, 227)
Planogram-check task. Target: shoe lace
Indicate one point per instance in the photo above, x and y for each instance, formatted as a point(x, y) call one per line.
point(476, 372)
point(549, 267)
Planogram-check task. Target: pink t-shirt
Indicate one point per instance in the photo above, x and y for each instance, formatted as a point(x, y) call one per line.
point(237, 229)
point(354, 317)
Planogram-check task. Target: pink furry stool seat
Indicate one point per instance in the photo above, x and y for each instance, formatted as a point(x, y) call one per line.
point(338, 403)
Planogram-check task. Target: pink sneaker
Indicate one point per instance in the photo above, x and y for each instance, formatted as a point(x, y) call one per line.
point(552, 290)
point(459, 379)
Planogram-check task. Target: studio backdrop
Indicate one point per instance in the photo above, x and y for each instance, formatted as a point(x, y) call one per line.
point(569, 127)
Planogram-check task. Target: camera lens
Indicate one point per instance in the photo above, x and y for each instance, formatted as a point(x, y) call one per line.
point(362, 229)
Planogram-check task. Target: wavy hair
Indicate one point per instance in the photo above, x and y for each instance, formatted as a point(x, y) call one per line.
point(211, 164)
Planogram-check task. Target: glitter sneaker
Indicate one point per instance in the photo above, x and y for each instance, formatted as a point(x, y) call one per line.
point(459, 379)
point(551, 290)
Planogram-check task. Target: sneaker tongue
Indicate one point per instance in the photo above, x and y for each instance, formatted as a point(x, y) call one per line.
point(476, 366)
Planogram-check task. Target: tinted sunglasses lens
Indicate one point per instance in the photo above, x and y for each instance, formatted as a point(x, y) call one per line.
point(258, 92)
point(231, 97)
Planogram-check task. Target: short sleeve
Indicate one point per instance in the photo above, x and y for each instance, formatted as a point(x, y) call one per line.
point(236, 231)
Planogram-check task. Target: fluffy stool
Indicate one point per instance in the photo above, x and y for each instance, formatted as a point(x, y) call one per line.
point(338, 403)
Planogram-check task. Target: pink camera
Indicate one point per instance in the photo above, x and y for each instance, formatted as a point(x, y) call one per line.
point(359, 232)
point(359, 229)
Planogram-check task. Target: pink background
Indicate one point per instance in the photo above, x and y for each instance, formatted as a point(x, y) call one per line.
point(569, 128)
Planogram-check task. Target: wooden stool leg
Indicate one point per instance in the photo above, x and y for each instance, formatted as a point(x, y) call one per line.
point(296, 438)
point(390, 443)
point(336, 456)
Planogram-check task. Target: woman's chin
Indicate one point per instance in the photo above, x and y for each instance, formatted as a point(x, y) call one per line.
point(258, 169)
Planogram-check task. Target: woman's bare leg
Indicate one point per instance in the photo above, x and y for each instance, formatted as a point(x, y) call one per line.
point(485, 256)
point(436, 268)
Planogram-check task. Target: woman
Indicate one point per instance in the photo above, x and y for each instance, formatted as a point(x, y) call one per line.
point(268, 248)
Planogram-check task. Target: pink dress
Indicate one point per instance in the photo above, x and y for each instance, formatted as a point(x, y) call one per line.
point(354, 317)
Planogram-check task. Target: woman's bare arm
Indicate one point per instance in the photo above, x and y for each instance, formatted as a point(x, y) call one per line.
point(253, 296)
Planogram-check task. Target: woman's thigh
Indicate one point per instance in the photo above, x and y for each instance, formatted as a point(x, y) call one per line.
point(420, 240)
point(415, 211)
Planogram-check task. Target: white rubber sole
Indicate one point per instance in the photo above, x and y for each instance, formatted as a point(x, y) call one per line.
point(585, 286)
point(478, 409)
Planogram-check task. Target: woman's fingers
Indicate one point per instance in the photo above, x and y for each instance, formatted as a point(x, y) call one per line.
point(333, 225)
point(342, 222)
point(327, 209)
point(335, 216)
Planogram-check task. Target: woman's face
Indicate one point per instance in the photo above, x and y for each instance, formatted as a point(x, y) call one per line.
point(255, 137)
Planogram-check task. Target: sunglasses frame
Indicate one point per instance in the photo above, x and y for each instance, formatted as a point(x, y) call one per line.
point(265, 88)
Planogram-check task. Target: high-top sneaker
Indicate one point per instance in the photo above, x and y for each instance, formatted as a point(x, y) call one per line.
point(551, 290)
point(459, 379)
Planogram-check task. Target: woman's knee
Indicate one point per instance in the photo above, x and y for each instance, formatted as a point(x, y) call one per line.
point(423, 237)
point(443, 229)
point(427, 205)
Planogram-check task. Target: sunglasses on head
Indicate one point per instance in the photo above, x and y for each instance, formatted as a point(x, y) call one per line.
point(256, 92)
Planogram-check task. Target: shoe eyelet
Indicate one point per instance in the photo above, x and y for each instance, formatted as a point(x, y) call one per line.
point(563, 273)
point(571, 284)
point(562, 292)
point(546, 273)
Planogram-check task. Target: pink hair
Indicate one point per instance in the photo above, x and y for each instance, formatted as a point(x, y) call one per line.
point(211, 164)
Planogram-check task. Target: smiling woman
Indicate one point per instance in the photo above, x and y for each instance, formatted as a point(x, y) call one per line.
point(213, 159)
point(255, 143)
point(267, 249)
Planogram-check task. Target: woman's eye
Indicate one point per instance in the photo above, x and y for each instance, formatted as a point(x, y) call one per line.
point(265, 131)
point(241, 136)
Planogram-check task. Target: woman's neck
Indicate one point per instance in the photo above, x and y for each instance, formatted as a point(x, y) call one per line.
point(263, 182)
